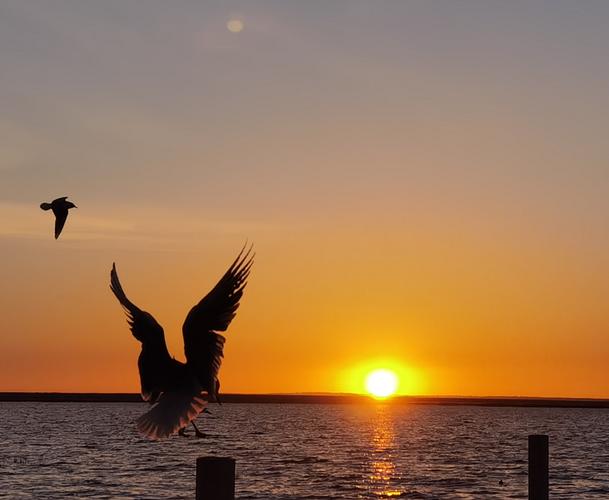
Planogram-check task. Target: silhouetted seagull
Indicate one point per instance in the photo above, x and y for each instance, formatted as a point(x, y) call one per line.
point(60, 208)
point(177, 387)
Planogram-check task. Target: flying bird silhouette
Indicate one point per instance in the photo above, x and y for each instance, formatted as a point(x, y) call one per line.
point(60, 208)
point(176, 388)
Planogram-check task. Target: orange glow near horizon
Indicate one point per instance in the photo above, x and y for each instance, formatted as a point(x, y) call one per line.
point(446, 342)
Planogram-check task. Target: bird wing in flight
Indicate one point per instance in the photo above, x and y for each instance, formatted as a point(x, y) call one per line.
point(61, 216)
point(143, 325)
point(145, 329)
point(203, 346)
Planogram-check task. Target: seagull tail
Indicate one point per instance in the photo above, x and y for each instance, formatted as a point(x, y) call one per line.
point(45, 206)
point(174, 411)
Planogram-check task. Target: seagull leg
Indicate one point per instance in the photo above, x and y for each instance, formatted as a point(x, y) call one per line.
point(198, 433)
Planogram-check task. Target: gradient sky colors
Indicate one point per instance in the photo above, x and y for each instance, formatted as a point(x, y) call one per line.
point(426, 185)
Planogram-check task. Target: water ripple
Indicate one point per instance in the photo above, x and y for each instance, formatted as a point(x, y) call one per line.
point(376, 451)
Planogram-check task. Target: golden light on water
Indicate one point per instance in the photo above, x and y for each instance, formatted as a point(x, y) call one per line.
point(384, 477)
point(382, 383)
point(235, 25)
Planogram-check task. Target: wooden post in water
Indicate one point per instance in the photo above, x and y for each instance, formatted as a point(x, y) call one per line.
point(539, 458)
point(215, 478)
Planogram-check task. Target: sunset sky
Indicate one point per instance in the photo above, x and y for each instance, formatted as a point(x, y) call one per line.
point(426, 185)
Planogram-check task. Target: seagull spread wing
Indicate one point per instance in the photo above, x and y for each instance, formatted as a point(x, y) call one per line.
point(143, 326)
point(203, 345)
point(147, 330)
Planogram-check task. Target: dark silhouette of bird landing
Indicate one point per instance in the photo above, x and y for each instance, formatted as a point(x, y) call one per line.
point(60, 208)
point(175, 388)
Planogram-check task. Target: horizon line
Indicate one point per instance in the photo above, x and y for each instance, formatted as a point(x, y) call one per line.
point(319, 398)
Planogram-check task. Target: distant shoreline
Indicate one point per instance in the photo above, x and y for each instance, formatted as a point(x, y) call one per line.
point(62, 397)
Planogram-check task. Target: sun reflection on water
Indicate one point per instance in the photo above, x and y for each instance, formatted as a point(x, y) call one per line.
point(383, 474)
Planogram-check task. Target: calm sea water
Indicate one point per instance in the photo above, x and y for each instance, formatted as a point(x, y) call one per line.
point(79, 450)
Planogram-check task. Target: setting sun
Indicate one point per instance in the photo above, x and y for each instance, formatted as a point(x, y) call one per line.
point(381, 383)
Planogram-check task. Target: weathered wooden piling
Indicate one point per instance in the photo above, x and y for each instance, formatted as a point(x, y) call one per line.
point(215, 478)
point(539, 458)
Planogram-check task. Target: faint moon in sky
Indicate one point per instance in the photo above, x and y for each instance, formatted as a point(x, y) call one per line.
point(235, 25)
